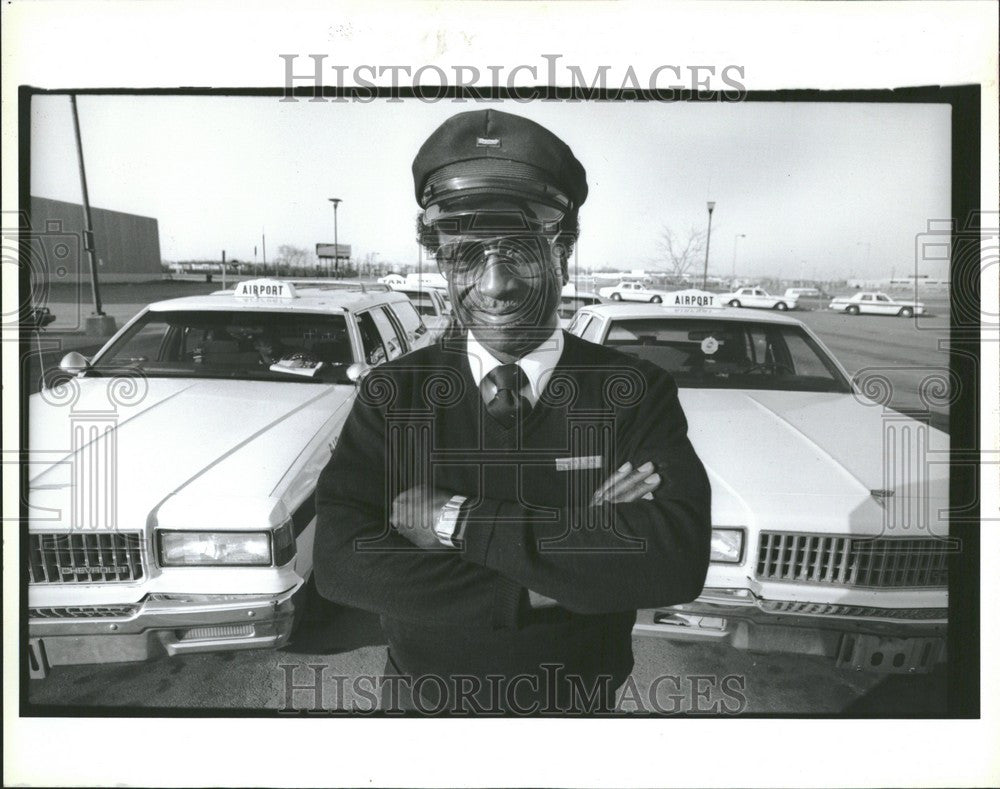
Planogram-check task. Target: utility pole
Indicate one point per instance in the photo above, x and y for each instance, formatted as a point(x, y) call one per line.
point(223, 269)
point(101, 323)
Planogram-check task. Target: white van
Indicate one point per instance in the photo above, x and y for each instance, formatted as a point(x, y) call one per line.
point(804, 293)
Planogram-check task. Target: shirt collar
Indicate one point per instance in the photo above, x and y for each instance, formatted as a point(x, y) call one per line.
point(537, 365)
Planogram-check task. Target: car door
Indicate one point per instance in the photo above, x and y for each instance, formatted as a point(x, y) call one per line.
point(867, 304)
point(392, 337)
point(884, 305)
point(408, 320)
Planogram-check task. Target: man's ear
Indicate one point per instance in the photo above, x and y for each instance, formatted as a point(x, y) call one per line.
point(564, 265)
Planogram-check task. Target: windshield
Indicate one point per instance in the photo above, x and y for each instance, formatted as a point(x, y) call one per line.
point(705, 353)
point(242, 345)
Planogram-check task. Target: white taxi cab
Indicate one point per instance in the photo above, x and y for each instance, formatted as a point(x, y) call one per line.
point(829, 511)
point(171, 477)
point(874, 303)
point(629, 290)
point(758, 297)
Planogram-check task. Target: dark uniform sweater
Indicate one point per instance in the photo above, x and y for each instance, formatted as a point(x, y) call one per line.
point(420, 420)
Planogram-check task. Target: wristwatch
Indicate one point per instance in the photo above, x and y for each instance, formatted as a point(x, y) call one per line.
point(448, 528)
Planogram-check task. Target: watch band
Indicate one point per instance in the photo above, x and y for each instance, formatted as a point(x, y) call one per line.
point(447, 528)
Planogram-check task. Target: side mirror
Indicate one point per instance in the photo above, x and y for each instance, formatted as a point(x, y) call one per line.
point(357, 371)
point(74, 362)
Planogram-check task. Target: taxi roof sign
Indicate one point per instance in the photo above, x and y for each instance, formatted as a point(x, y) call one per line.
point(691, 298)
point(265, 289)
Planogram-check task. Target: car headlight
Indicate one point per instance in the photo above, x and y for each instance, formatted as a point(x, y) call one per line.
point(215, 548)
point(727, 546)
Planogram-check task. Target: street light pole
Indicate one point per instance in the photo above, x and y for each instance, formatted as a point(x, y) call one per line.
point(736, 241)
point(708, 243)
point(336, 241)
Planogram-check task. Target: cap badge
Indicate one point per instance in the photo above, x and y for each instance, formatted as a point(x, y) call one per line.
point(487, 142)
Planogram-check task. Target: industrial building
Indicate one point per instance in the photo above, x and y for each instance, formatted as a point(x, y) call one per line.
point(127, 246)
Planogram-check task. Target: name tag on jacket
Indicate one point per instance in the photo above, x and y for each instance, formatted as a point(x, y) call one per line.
point(578, 464)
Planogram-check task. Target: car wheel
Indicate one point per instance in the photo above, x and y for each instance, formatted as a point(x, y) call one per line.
point(735, 303)
point(906, 312)
point(852, 310)
point(656, 300)
point(781, 306)
point(616, 296)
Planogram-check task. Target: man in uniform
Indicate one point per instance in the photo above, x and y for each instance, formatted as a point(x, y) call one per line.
point(507, 498)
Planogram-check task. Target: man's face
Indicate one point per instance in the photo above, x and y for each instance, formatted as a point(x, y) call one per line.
point(505, 288)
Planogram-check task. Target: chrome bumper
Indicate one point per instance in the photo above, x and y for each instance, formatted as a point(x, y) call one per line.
point(744, 623)
point(161, 627)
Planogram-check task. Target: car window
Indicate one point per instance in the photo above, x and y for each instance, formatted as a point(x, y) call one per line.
point(881, 297)
point(422, 301)
point(395, 345)
point(143, 346)
point(706, 353)
point(233, 344)
point(371, 340)
point(866, 297)
point(592, 333)
point(413, 327)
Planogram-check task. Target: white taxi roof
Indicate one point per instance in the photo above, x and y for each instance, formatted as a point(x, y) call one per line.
point(620, 311)
point(291, 298)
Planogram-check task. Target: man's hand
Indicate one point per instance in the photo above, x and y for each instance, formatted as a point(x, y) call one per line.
point(414, 514)
point(627, 484)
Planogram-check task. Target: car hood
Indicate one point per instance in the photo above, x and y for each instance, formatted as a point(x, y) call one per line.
point(171, 439)
point(792, 460)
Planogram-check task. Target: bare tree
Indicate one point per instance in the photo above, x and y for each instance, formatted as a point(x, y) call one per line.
point(292, 256)
point(681, 253)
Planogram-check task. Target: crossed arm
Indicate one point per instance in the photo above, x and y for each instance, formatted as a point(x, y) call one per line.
point(407, 573)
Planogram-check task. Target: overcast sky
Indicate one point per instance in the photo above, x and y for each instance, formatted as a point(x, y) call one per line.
point(820, 190)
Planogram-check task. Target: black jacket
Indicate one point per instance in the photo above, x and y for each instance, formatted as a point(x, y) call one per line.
point(420, 420)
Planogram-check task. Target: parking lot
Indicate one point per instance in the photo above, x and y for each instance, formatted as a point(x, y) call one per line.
point(906, 354)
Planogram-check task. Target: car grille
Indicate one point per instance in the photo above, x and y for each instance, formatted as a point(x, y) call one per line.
point(832, 609)
point(874, 563)
point(83, 612)
point(107, 557)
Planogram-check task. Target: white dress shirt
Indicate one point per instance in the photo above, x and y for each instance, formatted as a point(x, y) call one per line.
point(537, 365)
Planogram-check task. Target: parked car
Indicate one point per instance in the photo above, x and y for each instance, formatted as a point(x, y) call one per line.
point(758, 297)
point(829, 513)
point(171, 478)
point(431, 304)
point(875, 303)
point(632, 291)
